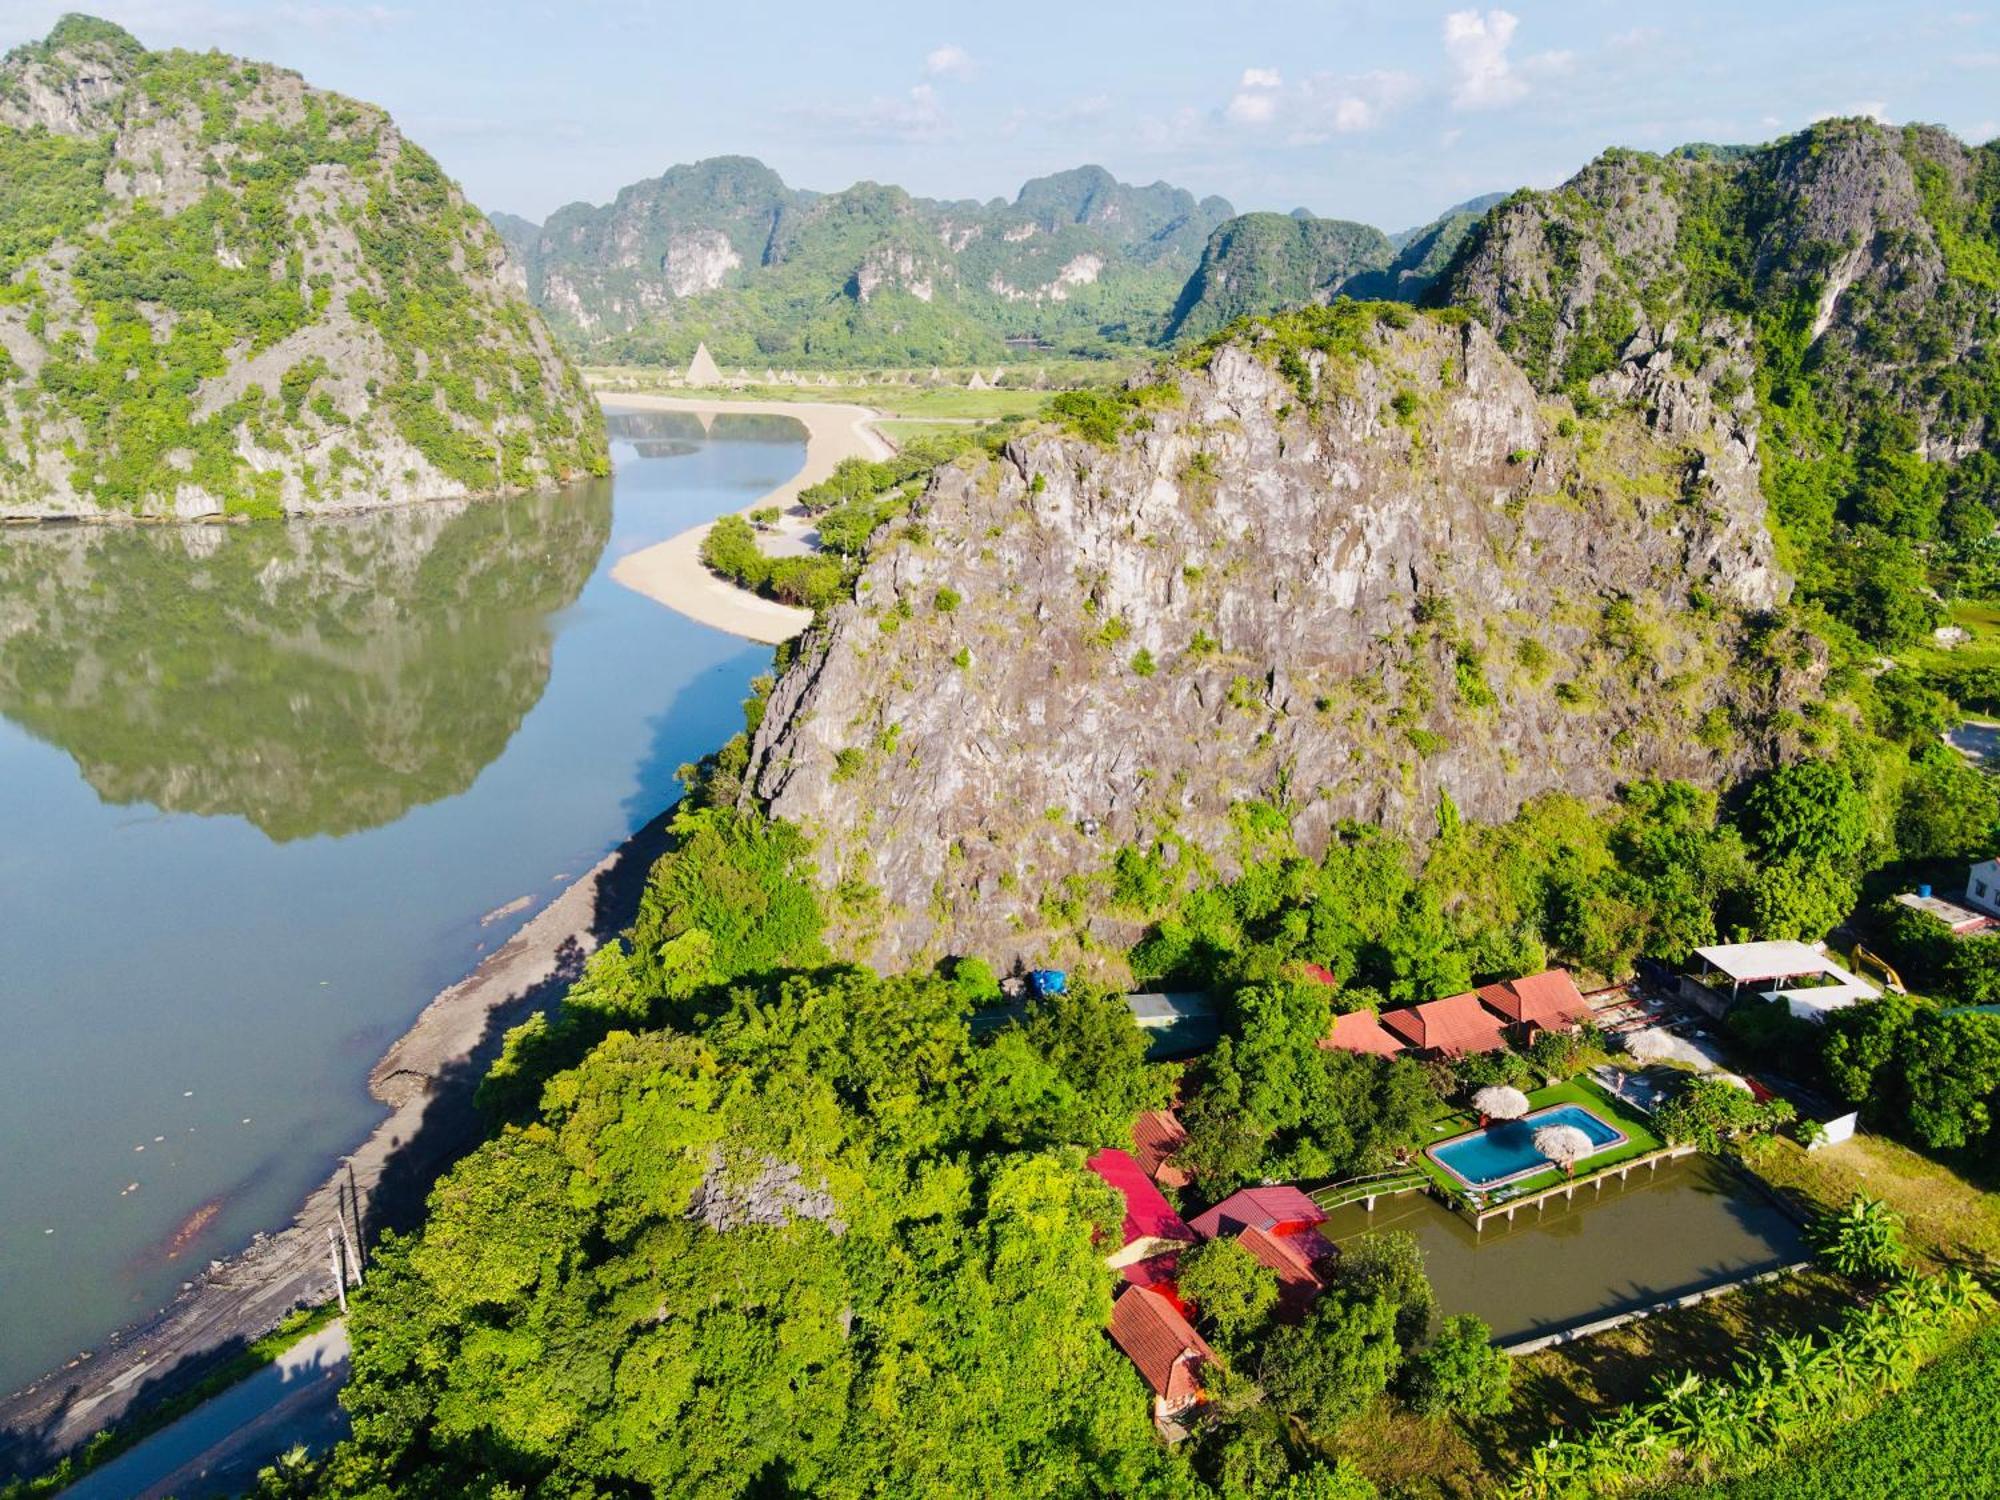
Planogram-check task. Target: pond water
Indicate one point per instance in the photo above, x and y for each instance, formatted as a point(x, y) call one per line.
point(1664, 1232)
point(258, 786)
point(1504, 1151)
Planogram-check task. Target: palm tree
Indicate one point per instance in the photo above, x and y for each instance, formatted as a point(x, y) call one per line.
point(1499, 1102)
point(1564, 1145)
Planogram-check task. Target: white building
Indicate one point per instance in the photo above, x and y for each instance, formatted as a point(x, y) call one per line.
point(1982, 887)
point(1801, 975)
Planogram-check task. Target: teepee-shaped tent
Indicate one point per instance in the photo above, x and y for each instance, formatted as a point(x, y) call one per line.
point(702, 368)
point(977, 383)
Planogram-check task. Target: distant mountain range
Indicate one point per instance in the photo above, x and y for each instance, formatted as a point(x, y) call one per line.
point(723, 252)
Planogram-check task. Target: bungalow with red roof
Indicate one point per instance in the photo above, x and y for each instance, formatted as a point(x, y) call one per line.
point(1156, 1136)
point(1164, 1347)
point(1296, 1258)
point(1548, 1001)
point(1151, 1225)
point(1362, 1031)
point(1452, 1027)
point(1278, 1209)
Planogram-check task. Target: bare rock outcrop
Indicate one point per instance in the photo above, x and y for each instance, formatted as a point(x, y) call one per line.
point(1389, 577)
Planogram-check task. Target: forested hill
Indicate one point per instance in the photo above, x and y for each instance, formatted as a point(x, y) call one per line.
point(1265, 263)
point(724, 251)
point(1857, 266)
point(222, 290)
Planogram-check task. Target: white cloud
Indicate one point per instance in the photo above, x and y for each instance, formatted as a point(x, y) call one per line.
point(1483, 76)
point(1255, 101)
point(1319, 107)
point(947, 61)
point(1345, 104)
point(916, 116)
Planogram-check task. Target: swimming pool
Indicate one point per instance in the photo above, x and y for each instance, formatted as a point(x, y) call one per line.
point(1505, 1151)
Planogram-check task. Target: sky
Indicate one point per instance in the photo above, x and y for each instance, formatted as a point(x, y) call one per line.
point(1374, 110)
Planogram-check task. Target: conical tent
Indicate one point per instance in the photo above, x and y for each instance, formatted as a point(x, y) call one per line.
point(702, 369)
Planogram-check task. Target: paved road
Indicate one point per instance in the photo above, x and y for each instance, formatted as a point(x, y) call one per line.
point(218, 1448)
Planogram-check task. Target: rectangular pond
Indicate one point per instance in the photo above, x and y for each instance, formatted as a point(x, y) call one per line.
point(1506, 1150)
point(1682, 1227)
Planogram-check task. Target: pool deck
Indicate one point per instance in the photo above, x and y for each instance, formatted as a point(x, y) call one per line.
point(1487, 1185)
point(1642, 1139)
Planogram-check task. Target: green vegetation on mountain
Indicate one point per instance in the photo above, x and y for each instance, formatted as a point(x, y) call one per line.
point(1840, 285)
point(221, 290)
point(1260, 263)
point(723, 252)
point(1267, 263)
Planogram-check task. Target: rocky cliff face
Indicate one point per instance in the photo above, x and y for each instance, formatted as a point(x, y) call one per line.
point(1862, 258)
point(1349, 568)
point(724, 252)
point(222, 290)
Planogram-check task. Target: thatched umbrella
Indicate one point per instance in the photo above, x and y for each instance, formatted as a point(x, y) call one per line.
point(1564, 1145)
point(1499, 1102)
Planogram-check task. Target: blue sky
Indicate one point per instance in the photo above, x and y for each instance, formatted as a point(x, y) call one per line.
point(1367, 109)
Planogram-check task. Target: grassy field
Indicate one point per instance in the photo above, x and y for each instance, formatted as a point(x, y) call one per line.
point(1951, 1218)
point(1940, 1438)
point(1980, 619)
point(917, 402)
point(1640, 1137)
point(1573, 1385)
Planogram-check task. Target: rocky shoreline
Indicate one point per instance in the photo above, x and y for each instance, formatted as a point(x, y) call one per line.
point(427, 1080)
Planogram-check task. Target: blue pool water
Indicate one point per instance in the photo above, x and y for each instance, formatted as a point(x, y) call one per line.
point(1505, 1151)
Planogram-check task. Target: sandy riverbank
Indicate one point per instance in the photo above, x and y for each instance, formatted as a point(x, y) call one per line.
point(671, 572)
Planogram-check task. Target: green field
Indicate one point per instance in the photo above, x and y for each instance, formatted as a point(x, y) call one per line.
point(1640, 1137)
point(1980, 619)
point(1939, 1438)
point(894, 399)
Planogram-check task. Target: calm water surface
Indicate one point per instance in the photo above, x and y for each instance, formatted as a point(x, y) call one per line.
point(258, 787)
point(1690, 1225)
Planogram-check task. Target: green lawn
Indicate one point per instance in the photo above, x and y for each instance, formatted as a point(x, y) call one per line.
point(919, 402)
point(1640, 1137)
point(1940, 1437)
point(1980, 619)
point(1950, 1208)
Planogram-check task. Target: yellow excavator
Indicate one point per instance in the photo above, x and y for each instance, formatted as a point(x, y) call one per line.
point(1866, 963)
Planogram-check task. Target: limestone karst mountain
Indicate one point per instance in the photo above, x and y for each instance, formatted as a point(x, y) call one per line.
point(724, 252)
point(1350, 565)
point(223, 290)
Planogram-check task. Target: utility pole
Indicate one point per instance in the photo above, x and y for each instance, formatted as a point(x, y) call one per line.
point(333, 1260)
point(353, 1255)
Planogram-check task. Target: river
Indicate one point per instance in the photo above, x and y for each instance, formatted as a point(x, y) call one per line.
point(264, 791)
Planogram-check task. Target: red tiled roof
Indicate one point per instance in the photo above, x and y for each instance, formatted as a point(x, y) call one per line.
point(1158, 1273)
point(1159, 1341)
point(1362, 1031)
point(1549, 998)
point(1268, 1208)
point(1455, 1024)
point(1147, 1214)
point(1291, 1256)
point(1156, 1136)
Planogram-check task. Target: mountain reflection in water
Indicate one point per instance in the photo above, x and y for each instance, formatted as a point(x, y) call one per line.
point(315, 677)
